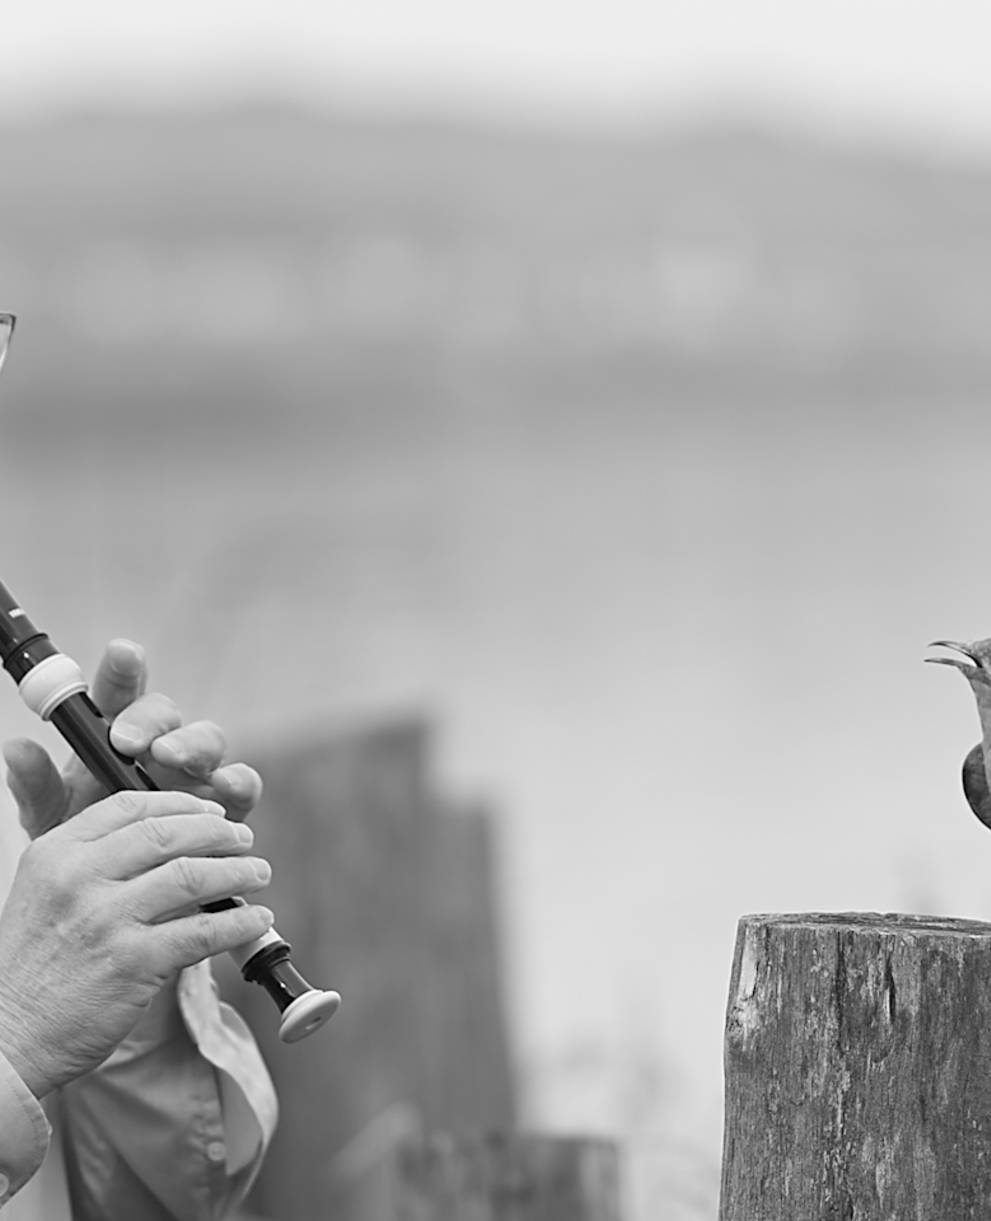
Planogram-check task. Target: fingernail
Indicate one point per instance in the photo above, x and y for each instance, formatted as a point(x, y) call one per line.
point(214, 807)
point(126, 658)
point(244, 833)
point(263, 870)
point(167, 753)
point(228, 776)
point(127, 735)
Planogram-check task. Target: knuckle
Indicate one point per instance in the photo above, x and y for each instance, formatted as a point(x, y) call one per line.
point(188, 874)
point(131, 954)
point(210, 829)
point(157, 833)
point(198, 938)
point(98, 927)
point(225, 836)
point(130, 802)
point(208, 832)
point(51, 879)
point(61, 876)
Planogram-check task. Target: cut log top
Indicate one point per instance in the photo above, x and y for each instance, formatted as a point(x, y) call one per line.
point(891, 922)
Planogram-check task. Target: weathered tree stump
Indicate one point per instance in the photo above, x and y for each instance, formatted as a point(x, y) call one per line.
point(508, 1178)
point(858, 1070)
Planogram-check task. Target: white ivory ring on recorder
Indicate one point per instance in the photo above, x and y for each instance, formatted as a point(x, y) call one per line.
point(50, 682)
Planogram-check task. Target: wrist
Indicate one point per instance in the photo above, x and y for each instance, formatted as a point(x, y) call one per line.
point(22, 1051)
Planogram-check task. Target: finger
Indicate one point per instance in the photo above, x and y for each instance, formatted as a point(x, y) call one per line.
point(196, 749)
point(238, 788)
point(144, 720)
point(122, 809)
point(170, 888)
point(151, 842)
point(188, 939)
point(120, 677)
point(36, 786)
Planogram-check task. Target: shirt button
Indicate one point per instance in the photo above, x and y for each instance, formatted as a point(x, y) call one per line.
point(216, 1151)
point(4, 1186)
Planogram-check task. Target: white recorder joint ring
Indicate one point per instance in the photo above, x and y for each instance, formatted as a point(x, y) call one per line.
point(50, 682)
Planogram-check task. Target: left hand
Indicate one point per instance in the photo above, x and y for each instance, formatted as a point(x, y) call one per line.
point(147, 727)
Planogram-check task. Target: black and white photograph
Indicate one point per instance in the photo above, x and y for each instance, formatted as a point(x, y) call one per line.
point(482, 491)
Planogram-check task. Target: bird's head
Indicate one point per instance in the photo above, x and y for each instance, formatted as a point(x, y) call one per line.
point(974, 663)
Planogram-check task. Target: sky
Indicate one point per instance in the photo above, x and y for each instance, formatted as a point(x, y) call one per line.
point(917, 68)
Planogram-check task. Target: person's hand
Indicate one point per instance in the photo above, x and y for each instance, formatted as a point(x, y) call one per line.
point(102, 913)
point(179, 757)
point(147, 727)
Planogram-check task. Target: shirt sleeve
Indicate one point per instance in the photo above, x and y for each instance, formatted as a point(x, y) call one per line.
point(174, 1125)
point(24, 1132)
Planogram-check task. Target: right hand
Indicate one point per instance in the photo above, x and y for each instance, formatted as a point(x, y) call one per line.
point(102, 912)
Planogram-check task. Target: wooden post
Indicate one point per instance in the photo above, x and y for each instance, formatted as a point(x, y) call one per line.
point(858, 1070)
point(388, 894)
point(508, 1178)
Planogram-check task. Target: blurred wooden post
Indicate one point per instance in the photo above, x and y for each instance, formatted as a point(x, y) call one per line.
point(389, 894)
point(858, 1070)
point(508, 1178)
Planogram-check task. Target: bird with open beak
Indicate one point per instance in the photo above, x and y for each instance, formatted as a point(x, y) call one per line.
point(975, 665)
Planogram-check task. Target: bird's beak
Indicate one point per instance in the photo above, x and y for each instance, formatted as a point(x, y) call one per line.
point(966, 667)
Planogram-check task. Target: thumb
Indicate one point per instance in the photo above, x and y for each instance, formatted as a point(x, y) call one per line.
point(36, 786)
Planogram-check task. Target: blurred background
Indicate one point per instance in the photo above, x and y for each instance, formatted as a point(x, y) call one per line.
point(546, 436)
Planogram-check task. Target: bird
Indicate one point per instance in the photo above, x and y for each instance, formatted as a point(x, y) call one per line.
point(975, 665)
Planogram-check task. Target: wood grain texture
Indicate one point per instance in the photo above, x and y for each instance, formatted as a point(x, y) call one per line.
point(508, 1177)
point(858, 1070)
